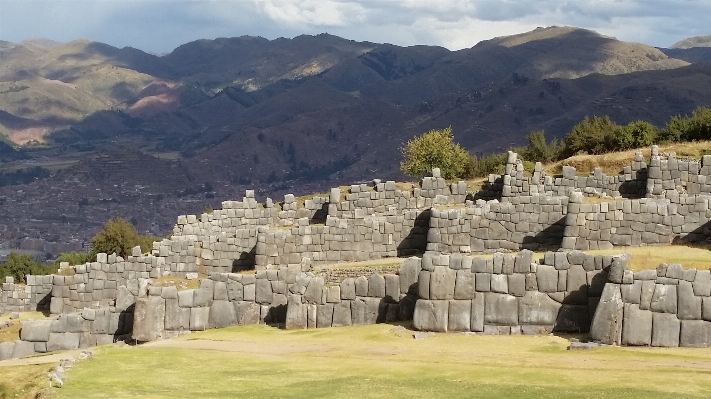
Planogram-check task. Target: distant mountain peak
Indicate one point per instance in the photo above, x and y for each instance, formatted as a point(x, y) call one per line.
point(691, 42)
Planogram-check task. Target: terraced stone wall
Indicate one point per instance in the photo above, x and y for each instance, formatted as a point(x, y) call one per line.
point(667, 307)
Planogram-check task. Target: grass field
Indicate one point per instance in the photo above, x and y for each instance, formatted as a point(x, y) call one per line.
point(381, 361)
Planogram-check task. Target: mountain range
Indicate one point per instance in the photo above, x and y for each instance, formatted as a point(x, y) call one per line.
point(313, 111)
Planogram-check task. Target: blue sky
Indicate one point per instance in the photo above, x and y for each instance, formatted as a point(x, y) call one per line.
point(161, 25)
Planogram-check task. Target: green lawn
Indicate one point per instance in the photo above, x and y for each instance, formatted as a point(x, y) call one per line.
point(378, 362)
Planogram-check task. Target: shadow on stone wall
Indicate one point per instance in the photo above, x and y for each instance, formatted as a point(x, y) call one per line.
point(637, 188)
point(548, 239)
point(246, 261)
point(415, 242)
point(700, 235)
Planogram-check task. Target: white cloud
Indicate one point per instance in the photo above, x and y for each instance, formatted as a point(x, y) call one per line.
point(161, 25)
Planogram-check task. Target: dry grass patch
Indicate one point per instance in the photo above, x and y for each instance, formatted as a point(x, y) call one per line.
point(25, 382)
point(645, 258)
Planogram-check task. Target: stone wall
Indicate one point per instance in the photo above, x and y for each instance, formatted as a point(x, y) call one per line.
point(291, 296)
point(35, 295)
point(670, 176)
point(636, 222)
point(528, 222)
point(509, 294)
point(669, 306)
point(91, 327)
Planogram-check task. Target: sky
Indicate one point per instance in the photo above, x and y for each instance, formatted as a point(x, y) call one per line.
point(158, 26)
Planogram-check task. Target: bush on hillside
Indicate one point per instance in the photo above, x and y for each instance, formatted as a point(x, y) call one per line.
point(538, 150)
point(120, 236)
point(688, 128)
point(590, 136)
point(18, 266)
point(633, 135)
point(434, 149)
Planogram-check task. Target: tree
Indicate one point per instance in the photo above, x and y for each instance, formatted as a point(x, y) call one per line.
point(633, 135)
point(434, 149)
point(18, 266)
point(75, 258)
point(590, 136)
point(538, 150)
point(118, 236)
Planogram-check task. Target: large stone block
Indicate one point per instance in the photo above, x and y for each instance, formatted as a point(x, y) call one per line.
point(501, 309)
point(664, 299)
point(199, 318)
point(361, 286)
point(222, 314)
point(637, 326)
point(36, 330)
point(500, 283)
point(689, 305)
point(263, 291)
point(606, 326)
point(477, 317)
point(695, 333)
point(431, 315)
point(536, 308)
point(547, 278)
point(665, 330)
point(148, 318)
point(124, 299)
point(348, 289)
point(368, 310)
point(63, 341)
point(296, 313)
point(324, 315)
point(314, 291)
point(342, 314)
point(26, 348)
point(702, 283)
point(247, 312)
point(460, 312)
point(409, 273)
point(392, 287)
point(100, 325)
point(442, 282)
point(464, 286)
point(6, 349)
point(632, 293)
point(376, 286)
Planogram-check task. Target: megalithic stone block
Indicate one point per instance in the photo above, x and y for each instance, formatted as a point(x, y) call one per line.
point(148, 318)
point(607, 323)
point(431, 315)
point(296, 313)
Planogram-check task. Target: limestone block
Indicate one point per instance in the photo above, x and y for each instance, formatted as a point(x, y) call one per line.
point(606, 326)
point(247, 312)
point(263, 291)
point(695, 333)
point(536, 308)
point(249, 291)
point(324, 315)
point(665, 330)
point(199, 318)
point(409, 273)
point(459, 318)
point(348, 290)
point(464, 287)
point(477, 317)
point(219, 291)
point(296, 313)
point(222, 314)
point(6, 349)
point(500, 309)
point(482, 282)
point(664, 298)
point(36, 330)
point(376, 286)
point(392, 287)
point(442, 281)
point(706, 308)
point(431, 315)
point(100, 325)
point(148, 318)
point(201, 297)
point(632, 293)
point(637, 326)
point(63, 341)
point(646, 295)
point(500, 283)
point(186, 298)
point(342, 314)
point(25, 348)
point(124, 299)
point(361, 286)
point(702, 283)
point(547, 278)
point(689, 305)
point(235, 291)
point(517, 284)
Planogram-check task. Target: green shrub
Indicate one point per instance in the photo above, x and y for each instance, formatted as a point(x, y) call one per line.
point(633, 135)
point(591, 136)
point(434, 149)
